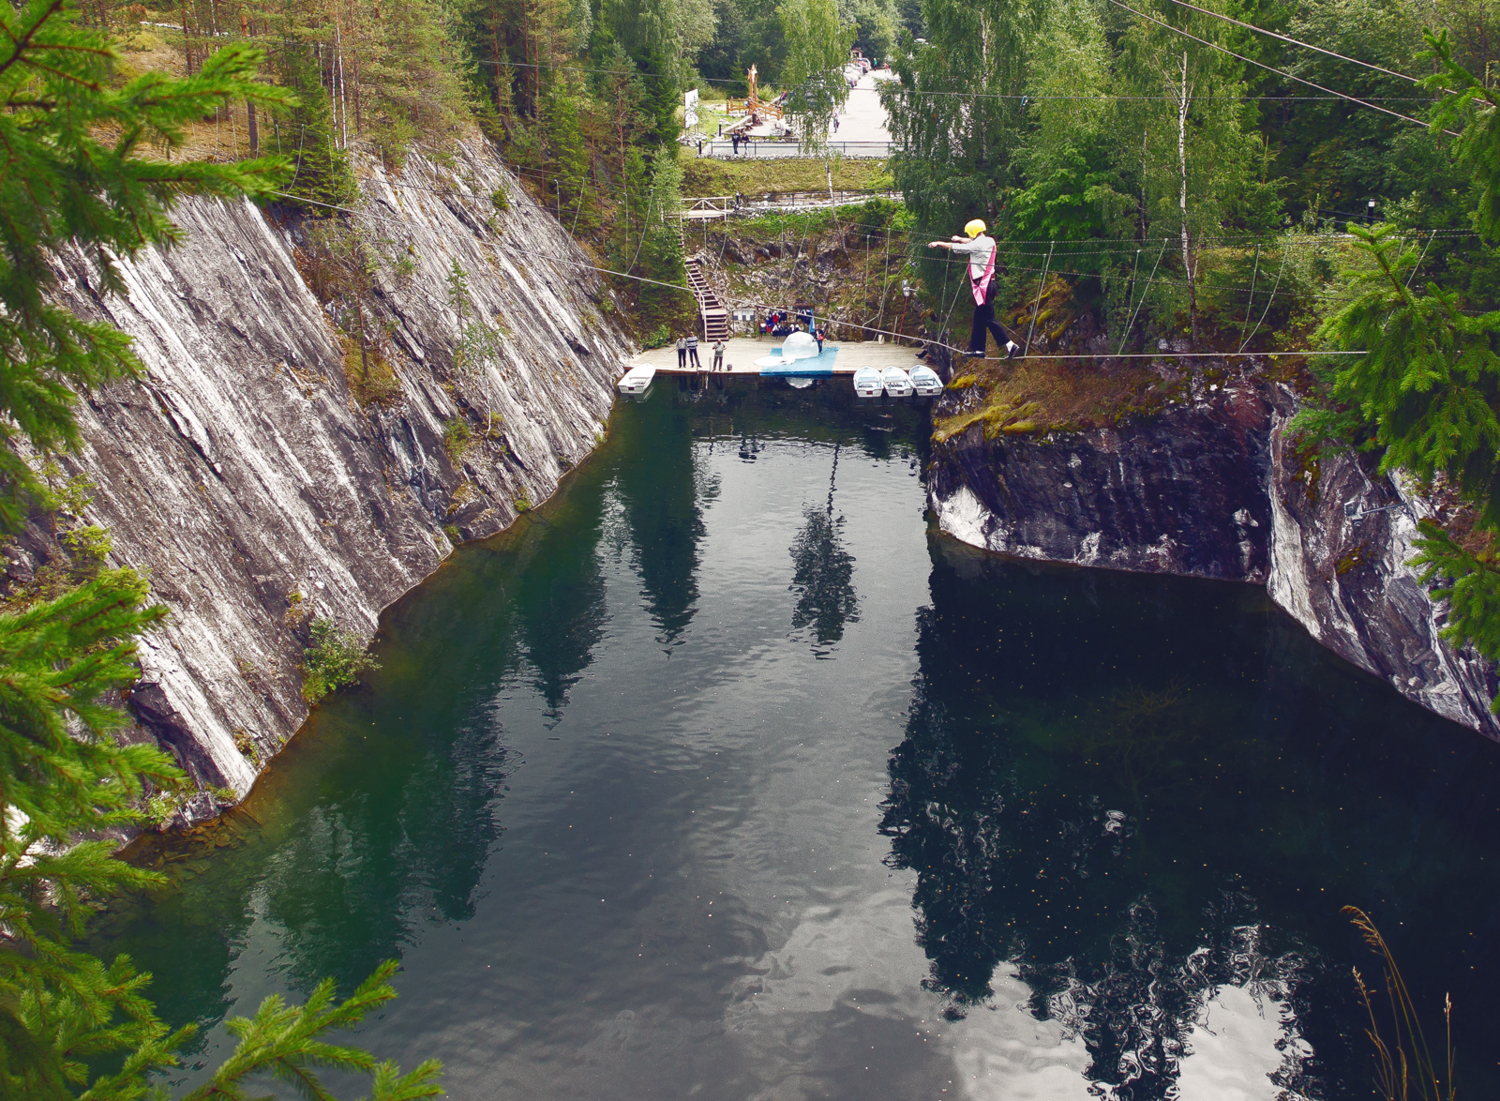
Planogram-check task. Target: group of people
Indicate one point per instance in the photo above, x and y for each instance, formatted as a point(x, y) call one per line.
point(777, 323)
point(687, 351)
point(979, 247)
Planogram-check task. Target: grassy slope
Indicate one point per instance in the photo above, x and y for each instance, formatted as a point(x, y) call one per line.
point(706, 176)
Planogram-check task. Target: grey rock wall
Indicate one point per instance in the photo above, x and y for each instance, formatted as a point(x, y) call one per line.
point(241, 471)
point(1213, 488)
point(1183, 493)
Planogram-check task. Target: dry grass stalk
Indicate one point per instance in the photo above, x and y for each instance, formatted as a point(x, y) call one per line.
point(1404, 1067)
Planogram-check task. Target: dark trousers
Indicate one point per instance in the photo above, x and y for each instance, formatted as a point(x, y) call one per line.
point(693, 354)
point(984, 321)
point(718, 361)
point(682, 357)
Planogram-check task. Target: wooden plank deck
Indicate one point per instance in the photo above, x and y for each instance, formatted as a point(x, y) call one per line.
point(741, 353)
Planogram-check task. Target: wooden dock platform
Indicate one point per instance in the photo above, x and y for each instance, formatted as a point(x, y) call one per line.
point(741, 352)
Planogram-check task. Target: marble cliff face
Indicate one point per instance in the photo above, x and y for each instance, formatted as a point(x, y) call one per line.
point(1212, 488)
point(253, 487)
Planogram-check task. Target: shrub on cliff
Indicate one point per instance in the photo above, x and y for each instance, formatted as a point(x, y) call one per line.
point(334, 660)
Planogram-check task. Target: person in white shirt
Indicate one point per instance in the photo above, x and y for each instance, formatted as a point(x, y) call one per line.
point(980, 249)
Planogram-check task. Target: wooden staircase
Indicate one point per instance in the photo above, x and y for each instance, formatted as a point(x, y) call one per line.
point(711, 311)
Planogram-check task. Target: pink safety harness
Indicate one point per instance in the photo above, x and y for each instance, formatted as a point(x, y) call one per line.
point(981, 286)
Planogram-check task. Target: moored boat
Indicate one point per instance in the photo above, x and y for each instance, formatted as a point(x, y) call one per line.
point(867, 382)
point(638, 379)
point(925, 381)
point(897, 382)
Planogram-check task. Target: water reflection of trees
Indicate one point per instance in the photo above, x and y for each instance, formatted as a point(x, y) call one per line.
point(387, 836)
point(1024, 830)
point(657, 485)
point(357, 883)
point(823, 573)
point(561, 609)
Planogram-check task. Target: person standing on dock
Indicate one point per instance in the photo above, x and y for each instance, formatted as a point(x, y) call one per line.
point(719, 354)
point(692, 350)
point(818, 336)
point(980, 248)
point(681, 353)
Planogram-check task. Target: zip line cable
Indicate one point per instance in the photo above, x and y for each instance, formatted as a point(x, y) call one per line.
point(870, 328)
point(1273, 69)
point(1293, 41)
point(1128, 244)
point(947, 261)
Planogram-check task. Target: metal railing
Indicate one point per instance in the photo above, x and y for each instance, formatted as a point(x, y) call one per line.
point(769, 148)
point(714, 207)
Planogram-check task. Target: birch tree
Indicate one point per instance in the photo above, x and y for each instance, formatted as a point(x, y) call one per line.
point(1188, 122)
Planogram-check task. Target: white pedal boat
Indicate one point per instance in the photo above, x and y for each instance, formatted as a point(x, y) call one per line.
point(925, 381)
point(868, 383)
point(897, 382)
point(799, 355)
point(638, 379)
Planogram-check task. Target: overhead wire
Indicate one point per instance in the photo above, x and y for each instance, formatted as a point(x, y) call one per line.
point(869, 328)
point(1128, 245)
point(1272, 68)
point(1293, 41)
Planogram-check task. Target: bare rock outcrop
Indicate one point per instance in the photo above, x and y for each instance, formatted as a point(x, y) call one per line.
point(1212, 487)
point(242, 475)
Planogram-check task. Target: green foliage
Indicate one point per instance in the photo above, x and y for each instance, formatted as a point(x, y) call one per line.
point(322, 171)
point(335, 660)
point(1426, 381)
point(458, 437)
point(1471, 105)
point(660, 251)
point(523, 503)
point(1470, 583)
point(477, 342)
point(72, 1025)
point(77, 169)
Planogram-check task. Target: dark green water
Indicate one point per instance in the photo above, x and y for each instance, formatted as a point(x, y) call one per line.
point(721, 775)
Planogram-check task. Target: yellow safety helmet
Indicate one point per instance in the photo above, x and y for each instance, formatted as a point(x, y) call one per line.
point(974, 228)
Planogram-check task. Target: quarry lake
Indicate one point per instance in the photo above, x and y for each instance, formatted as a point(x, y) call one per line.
point(722, 775)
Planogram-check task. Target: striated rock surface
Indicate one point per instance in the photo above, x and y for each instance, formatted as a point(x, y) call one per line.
point(1213, 488)
point(1346, 580)
point(244, 477)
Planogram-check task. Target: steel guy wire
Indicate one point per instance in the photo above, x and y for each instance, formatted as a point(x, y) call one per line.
point(1293, 41)
point(748, 302)
point(1273, 69)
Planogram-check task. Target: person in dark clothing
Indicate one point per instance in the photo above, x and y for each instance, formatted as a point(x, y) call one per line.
point(692, 350)
point(681, 352)
point(818, 336)
point(734, 140)
point(980, 249)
